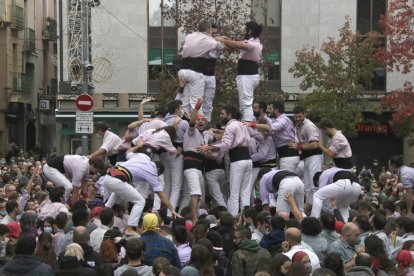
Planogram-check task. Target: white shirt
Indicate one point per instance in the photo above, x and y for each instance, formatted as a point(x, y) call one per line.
point(97, 237)
point(111, 143)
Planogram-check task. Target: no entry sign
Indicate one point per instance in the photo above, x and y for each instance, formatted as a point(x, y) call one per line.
point(84, 102)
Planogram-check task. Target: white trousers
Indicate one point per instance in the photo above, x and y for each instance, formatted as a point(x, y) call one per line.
point(240, 185)
point(289, 163)
point(58, 179)
point(193, 90)
point(345, 193)
point(123, 191)
point(157, 200)
point(246, 84)
point(313, 164)
point(216, 182)
point(195, 181)
point(209, 91)
point(173, 177)
point(295, 186)
point(300, 169)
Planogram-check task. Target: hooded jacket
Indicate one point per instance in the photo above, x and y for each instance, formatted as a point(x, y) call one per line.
point(143, 270)
point(273, 241)
point(27, 265)
point(250, 258)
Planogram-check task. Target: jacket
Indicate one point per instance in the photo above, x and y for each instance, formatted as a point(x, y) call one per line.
point(27, 265)
point(249, 259)
point(143, 270)
point(273, 241)
point(360, 271)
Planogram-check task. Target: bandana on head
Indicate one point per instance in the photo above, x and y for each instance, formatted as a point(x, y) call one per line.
point(150, 222)
point(298, 256)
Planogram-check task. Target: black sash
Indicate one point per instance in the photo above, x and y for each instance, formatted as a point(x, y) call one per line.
point(195, 64)
point(247, 67)
point(266, 164)
point(210, 69)
point(286, 151)
point(57, 163)
point(193, 160)
point(239, 153)
point(343, 163)
point(210, 165)
point(279, 176)
point(309, 153)
point(345, 175)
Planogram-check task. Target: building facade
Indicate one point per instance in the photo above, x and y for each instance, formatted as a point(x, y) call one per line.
point(28, 75)
point(135, 41)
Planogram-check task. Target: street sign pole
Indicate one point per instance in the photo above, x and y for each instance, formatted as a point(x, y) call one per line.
point(85, 57)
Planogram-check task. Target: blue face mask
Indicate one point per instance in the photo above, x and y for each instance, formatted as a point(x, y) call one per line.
point(3, 213)
point(48, 229)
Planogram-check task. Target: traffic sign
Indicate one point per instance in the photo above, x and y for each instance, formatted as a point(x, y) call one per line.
point(84, 102)
point(85, 127)
point(84, 116)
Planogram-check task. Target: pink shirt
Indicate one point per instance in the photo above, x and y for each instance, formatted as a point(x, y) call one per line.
point(235, 135)
point(52, 209)
point(307, 132)
point(111, 143)
point(76, 168)
point(340, 145)
point(156, 139)
point(199, 44)
point(154, 124)
point(254, 53)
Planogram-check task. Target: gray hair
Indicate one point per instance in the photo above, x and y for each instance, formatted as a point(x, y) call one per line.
point(204, 25)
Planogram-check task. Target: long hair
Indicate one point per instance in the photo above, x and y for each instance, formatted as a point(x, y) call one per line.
point(375, 247)
point(45, 250)
point(202, 260)
point(276, 263)
point(108, 251)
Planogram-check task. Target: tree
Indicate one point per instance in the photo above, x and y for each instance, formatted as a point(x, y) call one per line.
point(231, 17)
point(337, 75)
point(398, 55)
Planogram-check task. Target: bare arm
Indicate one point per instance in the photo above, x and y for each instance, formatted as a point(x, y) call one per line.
point(235, 44)
point(166, 202)
point(141, 109)
point(326, 151)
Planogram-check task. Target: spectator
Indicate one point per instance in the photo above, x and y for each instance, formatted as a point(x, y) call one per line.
point(311, 229)
point(4, 230)
point(273, 240)
point(249, 257)
point(362, 266)
point(297, 269)
point(134, 252)
point(405, 227)
point(159, 264)
point(262, 226)
point(25, 263)
point(345, 246)
point(79, 218)
point(155, 245)
point(279, 265)
point(70, 265)
point(81, 237)
point(107, 220)
point(323, 272)
point(334, 262)
point(328, 231)
point(226, 229)
point(3, 211)
point(170, 271)
point(44, 249)
point(388, 208)
point(379, 257)
point(54, 206)
point(180, 239)
point(61, 220)
point(292, 244)
point(378, 223)
point(28, 224)
point(12, 208)
point(109, 248)
point(364, 225)
point(201, 261)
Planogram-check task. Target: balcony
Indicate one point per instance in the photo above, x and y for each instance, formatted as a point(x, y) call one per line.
point(29, 40)
point(49, 32)
point(17, 17)
point(26, 83)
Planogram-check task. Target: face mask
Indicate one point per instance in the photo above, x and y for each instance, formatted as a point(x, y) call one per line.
point(375, 164)
point(362, 193)
point(309, 268)
point(3, 213)
point(256, 114)
point(48, 229)
point(375, 194)
point(356, 241)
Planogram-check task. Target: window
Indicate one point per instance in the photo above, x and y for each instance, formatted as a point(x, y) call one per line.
point(268, 13)
point(368, 16)
point(162, 39)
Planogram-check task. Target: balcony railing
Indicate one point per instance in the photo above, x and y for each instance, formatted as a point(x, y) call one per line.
point(30, 40)
point(17, 17)
point(49, 29)
point(27, 83)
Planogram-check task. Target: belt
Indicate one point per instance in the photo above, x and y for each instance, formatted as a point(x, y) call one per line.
point(247, 67)
point(121, 173)
point(239, 153)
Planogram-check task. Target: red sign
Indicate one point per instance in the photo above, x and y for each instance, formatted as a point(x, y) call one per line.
point(84, 102)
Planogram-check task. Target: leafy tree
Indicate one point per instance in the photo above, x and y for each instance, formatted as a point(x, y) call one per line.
point(398, 55)
point(231, 19)
point(337, 75)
